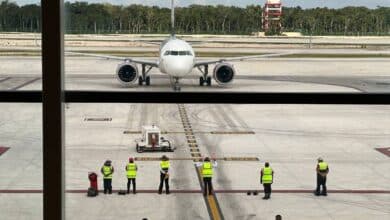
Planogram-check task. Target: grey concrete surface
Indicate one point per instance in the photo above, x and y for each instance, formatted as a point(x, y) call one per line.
point(261, 75)
point(290, 137)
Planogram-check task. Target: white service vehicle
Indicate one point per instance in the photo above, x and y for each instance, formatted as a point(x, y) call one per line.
point(153, 141)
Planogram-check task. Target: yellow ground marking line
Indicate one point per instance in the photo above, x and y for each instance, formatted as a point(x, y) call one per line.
point(211, 200)
point(214, 208)
point(191, 141)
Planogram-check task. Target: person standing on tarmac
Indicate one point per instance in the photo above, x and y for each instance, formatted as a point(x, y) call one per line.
point(164, 175)
point(267, 178)
point(107, 171)
point(322, 170)
point(207, 174)
point(131, 173)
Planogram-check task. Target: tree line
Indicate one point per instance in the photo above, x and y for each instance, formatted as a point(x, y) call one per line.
point(83, 18)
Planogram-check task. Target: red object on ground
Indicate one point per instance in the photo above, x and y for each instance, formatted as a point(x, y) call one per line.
point(385, 151)
point(3, 149)
point(93, 180)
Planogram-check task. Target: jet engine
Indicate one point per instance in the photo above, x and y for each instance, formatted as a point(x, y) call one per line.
point(224, 73)
point(127, 73)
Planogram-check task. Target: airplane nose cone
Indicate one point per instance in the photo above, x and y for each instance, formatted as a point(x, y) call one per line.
point(178, 70)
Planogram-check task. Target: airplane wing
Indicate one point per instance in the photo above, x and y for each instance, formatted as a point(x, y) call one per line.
point(125, 59)
point(207, 62)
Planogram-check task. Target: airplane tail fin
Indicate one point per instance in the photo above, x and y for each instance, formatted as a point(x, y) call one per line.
point(173, 18)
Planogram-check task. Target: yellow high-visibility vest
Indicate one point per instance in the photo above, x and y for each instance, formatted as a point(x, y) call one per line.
point(131, 169)
point(207, 170)
point(165, 164)
point(107, 171)
point(267, 175)
point(323, 166)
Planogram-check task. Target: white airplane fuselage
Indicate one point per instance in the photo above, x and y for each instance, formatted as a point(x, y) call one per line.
point(177, 58)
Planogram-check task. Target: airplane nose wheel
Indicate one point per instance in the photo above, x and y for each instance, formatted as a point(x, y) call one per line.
point(176, 87)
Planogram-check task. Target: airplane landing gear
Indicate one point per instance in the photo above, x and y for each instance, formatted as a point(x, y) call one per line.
point(205, 78)
point(176, 86)
point(144, 77)
point(147, 80)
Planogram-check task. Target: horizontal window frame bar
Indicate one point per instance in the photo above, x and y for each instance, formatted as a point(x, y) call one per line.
point(202, 97)
point(21, 96)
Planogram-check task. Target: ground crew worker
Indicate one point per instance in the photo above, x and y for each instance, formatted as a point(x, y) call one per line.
point(207, 174)
point(267, 178)
point(131, 173)
point(322, 170)
point(107, 171)
point(164, 175)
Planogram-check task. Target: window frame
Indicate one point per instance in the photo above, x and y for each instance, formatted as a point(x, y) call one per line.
point(53, 98)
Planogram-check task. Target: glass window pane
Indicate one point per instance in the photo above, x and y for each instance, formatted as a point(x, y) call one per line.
point(242, 138)
point(301, 58)
point(20, 45)
point(21, 161)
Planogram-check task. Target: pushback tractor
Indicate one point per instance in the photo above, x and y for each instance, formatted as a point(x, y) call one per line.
point(152, 141)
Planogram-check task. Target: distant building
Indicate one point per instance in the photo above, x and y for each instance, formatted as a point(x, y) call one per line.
point(272, 13)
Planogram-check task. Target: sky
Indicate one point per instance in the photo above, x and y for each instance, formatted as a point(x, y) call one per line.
point(241, 3)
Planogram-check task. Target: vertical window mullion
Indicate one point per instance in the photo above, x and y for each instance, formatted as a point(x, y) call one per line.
point(52, 97)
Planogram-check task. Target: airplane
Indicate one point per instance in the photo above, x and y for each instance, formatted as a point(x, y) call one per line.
point(176, 59)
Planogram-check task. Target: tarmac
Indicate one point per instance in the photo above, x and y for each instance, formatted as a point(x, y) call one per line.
point(259, 75)
point(290, 137)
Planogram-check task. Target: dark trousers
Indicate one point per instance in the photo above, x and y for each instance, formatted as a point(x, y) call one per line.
point(208, 185)
point(267, 190)
point(129, 181)
point(321, 181)
point(107, 186)
point(162, 180)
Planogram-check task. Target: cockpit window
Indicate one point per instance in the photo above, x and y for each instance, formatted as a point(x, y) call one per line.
point(177, 53)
